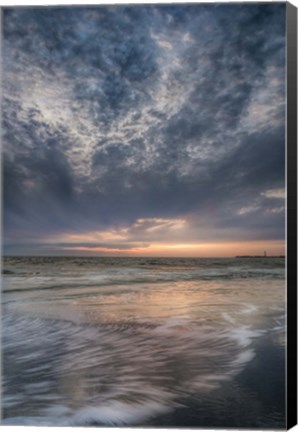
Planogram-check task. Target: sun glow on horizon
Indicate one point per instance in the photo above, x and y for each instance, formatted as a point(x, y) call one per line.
point(158, 236)
point(272, 247)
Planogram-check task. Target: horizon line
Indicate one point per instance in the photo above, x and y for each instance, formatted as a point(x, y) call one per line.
point(140, 256)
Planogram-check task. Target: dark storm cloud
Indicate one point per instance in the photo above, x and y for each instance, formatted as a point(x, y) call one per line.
point(116, 113)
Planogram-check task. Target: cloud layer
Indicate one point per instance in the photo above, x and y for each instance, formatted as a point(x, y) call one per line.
point(116, 114)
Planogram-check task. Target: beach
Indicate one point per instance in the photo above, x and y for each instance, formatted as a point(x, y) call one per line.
point(169, 342)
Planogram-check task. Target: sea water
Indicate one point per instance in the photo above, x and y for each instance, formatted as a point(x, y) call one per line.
point(163, 342)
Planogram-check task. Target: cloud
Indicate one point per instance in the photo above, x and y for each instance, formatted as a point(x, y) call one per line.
point(274, 193)
point(248, 209)
point(180, 119)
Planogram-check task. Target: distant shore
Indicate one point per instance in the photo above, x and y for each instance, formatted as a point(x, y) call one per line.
point(260, 256)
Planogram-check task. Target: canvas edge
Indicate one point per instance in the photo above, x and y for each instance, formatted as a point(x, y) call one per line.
point(291, 136)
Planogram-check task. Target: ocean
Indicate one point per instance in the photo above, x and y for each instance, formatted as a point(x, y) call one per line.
point(157, 342)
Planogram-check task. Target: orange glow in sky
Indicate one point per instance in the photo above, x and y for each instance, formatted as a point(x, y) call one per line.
point(191, 250)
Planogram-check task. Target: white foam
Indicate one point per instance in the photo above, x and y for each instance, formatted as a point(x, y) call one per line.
point(243, 358)
point(244, 335)
point(114, 414)
point(57, 411)
point(278, 327)
point(228, 318)
point(43, 385)
point(117, 413)
point(249, 308)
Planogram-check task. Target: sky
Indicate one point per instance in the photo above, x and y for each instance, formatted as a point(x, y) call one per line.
point(144, 130)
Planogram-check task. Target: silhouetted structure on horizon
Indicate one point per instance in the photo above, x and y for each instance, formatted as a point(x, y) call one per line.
point(260, 256)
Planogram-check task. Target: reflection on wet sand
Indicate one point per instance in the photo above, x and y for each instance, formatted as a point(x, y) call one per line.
point(126, 353)
point(140, 354)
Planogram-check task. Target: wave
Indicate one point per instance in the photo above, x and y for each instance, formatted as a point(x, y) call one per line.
point(116, 373)
point(113, 414)
point(15, 283)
